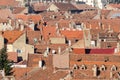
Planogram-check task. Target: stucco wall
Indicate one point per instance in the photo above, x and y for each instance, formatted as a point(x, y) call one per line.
point(53, 8)
point(57, 40)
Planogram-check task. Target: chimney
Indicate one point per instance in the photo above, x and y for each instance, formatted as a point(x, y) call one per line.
point(111, 74)
point(48, 49)
point(58, 32)
point(100, 24)
point(94, 70)
point(103, 27)
point(59, 50)
point(10, 21)
point(99, 13)
point(109, 27)
point(21, 27)
point(69, 42)
point(46, 52)
point(90, 26)
point(53, 51)
point(40, 64)
point(56, 24)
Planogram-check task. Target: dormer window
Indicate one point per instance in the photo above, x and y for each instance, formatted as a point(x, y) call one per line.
point(83, 67)
point(103, 68)
point(75, 67)
point(113, 68)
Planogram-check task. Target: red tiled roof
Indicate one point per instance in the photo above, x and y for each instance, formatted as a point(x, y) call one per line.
point(65, 6)
point(94, 62)
point(11, 36)
point(17, 10)
point(12, 56)
point(20, 72)
point(63, 23)
point(40, 6)
point(33, 60)
point(34, 18)
point(31, 35)
point(72, 34)
point(21, 16)
point(79, 50)
point(48, 31)
point(100, 51)
point(9, 3)
point(42, 47)
point(5, 14)
point(84, 7)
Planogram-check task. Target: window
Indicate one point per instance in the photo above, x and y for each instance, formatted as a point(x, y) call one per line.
point(19, 51)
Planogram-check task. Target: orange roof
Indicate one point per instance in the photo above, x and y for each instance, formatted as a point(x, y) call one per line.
point(72, 34)
point(94, 62)
point(21, 16)
point(114, 5)
point(34, 18)
point(8, 3)
point(49, 31)
point(79, 50)
point(20, 72)
point(18, 10)
point(12, 56)
point(12, 36)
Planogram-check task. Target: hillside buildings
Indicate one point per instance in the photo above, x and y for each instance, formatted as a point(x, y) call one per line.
point(61, 41)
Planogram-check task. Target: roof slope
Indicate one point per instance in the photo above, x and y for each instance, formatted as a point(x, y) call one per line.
point(12, 36)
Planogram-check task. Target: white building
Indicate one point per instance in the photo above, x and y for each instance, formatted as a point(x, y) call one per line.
point(95, 3)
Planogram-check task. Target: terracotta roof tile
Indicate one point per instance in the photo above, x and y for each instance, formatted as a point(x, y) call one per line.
point(7, 14)
point(33, 60)
point(20, 72)
point(31, 35)
point(100, 51)
point(42, 47)
point(8, 3)
point(72, 34)
point(65, 6)
point(95, 62)
point(12, 36)
point(40, 6)
point(48, 31)
point(79, 51)
point(21, 16)
point(84, 7)
point(34, 18)
point(63, 23)
point(17, 10)
point(85, 15)
point(12, 56)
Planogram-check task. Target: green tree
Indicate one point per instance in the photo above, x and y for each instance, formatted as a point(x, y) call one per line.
point(5, 64)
